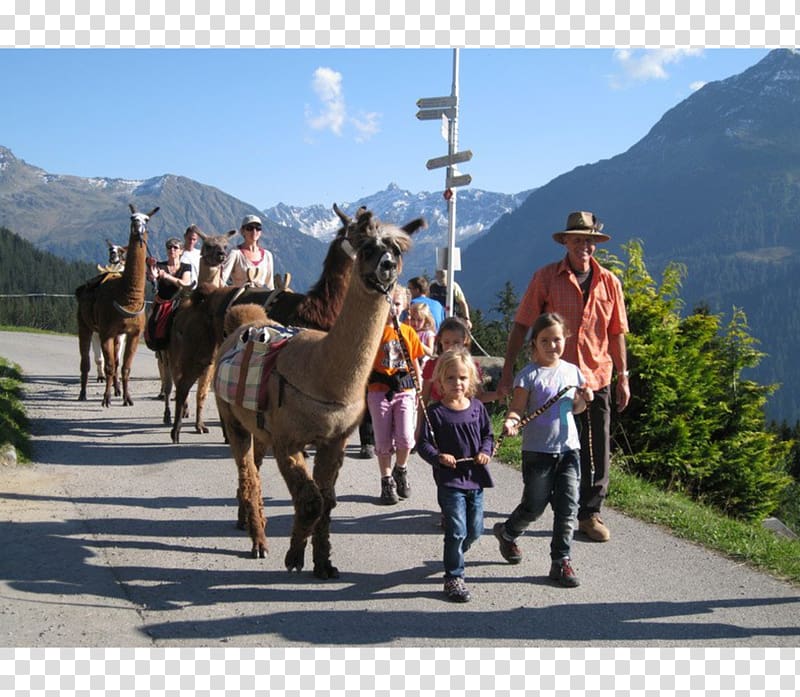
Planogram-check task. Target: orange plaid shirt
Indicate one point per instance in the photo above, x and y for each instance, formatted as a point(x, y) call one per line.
point(554, 288)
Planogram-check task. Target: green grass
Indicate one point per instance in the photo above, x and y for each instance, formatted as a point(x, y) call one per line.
point(742, 541)
point(14, 426)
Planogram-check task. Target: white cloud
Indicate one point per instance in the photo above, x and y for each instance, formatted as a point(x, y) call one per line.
point(332, 114)
point(697, 84)
point(327, 84)
point(644, 65)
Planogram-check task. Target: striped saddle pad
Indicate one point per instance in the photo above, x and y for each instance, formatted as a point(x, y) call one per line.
point(244, 369)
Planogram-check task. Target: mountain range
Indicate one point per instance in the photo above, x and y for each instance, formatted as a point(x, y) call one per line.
point(714, 185)
point(72, 216)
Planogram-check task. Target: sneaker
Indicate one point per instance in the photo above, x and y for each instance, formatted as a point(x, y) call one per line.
point(563, 572)
point(388, 491)
point(400, 475)
point(367, 452)
point(594, 528)
point(456, 590)
point(508, 549)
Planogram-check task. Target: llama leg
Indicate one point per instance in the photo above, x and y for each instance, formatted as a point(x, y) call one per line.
point(162, 358)
point(98, 357)
point(327, 464)
point(307, 501)
point(117, 361)
point(110, 366)
point(131, 344)
point(84, 341)
point(182, 387)
point(251, 503)
point(203, 385)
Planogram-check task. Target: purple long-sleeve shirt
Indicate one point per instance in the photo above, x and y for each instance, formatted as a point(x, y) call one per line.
point(462, 434)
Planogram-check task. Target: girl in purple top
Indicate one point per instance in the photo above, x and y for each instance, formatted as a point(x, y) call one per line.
point(459, 448)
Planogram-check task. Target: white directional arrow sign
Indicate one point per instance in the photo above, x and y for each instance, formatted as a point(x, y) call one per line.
point(447, 160)
point(460, 180)
point(431, 114)
point(436, 102)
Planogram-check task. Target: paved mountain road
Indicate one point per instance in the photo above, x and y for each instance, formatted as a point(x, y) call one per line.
point(116, 537)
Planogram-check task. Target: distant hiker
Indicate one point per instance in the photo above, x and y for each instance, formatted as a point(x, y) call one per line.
point(590, 300)
point(191, 253)
point(551, 469)
point(418, 287)
point(438, 291)
point(249, 262)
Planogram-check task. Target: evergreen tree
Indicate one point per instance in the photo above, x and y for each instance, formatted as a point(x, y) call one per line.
point(694, 424)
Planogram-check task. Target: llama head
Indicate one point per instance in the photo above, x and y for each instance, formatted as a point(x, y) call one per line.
point(215, 247)
point(379, 248)
point(139, 223)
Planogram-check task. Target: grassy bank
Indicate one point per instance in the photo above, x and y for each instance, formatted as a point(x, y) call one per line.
point(746, 542)
point(14, 427)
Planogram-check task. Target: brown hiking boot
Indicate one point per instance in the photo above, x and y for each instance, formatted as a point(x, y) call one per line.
point(508, 548)
point(594, 528)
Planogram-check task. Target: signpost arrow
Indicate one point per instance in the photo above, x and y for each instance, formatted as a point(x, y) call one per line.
point(447, 160)
point(431, 114)
point(460, 180)
point(436, 102)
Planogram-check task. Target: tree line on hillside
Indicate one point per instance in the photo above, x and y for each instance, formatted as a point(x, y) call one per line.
point(39, 277)
point(695, 423)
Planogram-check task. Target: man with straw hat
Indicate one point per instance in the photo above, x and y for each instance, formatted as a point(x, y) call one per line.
point(590, 300)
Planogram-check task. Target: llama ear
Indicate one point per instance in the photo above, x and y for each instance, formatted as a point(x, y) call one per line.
point(133, 210)
point(414, 225)
point(109, 244)
point(346, 220)
point(231, 233)
point(202, 235)
point(153, 212)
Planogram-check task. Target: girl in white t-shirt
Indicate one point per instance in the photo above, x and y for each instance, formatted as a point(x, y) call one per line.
point(550, 446)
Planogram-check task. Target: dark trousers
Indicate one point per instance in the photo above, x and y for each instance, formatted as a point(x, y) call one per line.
point(365, 433)
point(595, 464)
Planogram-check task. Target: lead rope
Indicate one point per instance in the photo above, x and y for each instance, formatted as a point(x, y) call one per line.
point(525, 420)
point(414, 377)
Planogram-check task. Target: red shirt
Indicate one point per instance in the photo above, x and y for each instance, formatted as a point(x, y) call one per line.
point(554, 288)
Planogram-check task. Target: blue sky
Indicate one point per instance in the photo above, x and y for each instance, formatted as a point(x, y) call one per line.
point(303, 126)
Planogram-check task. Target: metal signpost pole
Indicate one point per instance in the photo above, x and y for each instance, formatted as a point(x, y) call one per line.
point(452, 148)
point(445, 109)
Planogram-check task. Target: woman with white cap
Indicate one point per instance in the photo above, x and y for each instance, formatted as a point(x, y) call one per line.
point(249, 262)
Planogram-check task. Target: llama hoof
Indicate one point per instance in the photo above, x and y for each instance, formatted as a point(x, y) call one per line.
point(175, 435)
point(167, 419)
point(294, 561)
point(326, 571)
point(259, 551)
point(82, 396)
point(101, 378)
point(117, 391)
point(202, 428)
point(106, 401)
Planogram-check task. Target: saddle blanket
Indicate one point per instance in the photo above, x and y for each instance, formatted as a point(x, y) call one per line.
point(244, 369)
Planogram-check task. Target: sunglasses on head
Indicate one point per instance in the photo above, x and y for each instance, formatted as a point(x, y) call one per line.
point(252, 227)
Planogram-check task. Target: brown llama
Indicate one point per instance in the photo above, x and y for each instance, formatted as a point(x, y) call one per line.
point(202, 330)
point(116, 264)
point(177, 362)
point(315, 395)
point(115, 307)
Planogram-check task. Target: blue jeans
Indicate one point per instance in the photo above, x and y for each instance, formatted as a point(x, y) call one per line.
point(552, 478)
point(463, 524)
